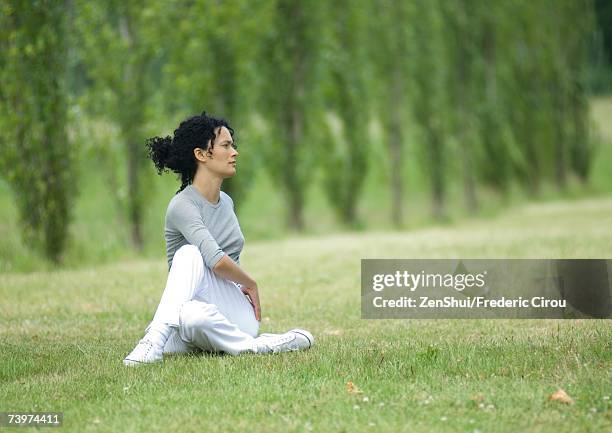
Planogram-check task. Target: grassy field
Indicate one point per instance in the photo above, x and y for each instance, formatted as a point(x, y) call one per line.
point(64, 333)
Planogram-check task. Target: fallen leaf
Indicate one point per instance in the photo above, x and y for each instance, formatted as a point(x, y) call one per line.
point(561, 396)
point(352, 388)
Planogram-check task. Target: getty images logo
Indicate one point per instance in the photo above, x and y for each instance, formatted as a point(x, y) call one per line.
point(459, 280)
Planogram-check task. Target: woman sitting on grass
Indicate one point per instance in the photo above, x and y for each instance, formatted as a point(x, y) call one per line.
point(210, 303)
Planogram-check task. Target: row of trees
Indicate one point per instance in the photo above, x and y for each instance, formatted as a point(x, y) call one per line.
point(498, 86)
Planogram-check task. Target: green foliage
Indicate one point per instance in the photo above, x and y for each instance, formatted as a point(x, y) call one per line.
point(460, 41)
point(466, 98)
point(37, 156)
point(211, 66)
point(390, 50)
point(118, 58)
point(291, 99)
point(344, 153)
point(546, 86)
point(574, 45)
point(599, 66)
point(430, 104)
point(498, 154)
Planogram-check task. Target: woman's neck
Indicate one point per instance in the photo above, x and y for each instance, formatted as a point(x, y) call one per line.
point(208, 185)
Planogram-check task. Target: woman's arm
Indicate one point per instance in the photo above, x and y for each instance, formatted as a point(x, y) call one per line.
point(228, 269)
point(185, 217)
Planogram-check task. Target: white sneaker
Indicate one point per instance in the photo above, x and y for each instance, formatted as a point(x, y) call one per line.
point(296, 339)
point(145, 352)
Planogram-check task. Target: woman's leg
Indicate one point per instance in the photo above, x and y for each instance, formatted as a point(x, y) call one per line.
point(223, 311)
point(187, 317)
point(219, 318)
point(204, 326)
point(184, 281)
point(183, 284)
point(207, 312)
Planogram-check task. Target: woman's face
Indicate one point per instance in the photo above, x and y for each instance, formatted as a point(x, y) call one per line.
point(223, 158)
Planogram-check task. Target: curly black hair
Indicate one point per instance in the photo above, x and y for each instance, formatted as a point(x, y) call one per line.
point(176, 153)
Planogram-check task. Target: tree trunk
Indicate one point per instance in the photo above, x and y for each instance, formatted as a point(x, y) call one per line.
point(437, 175)
point(131, 142)
point(466, 111)
point(528, 128)
point(296, 221)
point(295, 129)
point(469, 184)
point(561, 136)
point(134, 201)
point(293, 185)
point(396, 149)
point(397, 193)
point(580, 140)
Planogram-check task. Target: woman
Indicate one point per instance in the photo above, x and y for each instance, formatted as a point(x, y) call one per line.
point(210, 303)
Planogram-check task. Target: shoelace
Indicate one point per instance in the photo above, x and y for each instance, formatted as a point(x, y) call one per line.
point(149, 346)
point(278, 340)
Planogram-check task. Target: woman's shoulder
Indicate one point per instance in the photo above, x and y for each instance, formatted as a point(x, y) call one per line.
point(225, 197)
point(182, 198)
point(190, 198)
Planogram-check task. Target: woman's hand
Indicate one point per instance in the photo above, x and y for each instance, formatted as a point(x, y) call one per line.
point(228, 269)
point(252, 294)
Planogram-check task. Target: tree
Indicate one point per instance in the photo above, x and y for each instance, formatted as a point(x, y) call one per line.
point(291, 99)
point(527, 96)
point(430, 104)
point(494, 36)
point(119, 56)
point(37, 156)
point(211, 67)
point(461, 38)
point(345, 155)
point(390, 50)
point(582, 16)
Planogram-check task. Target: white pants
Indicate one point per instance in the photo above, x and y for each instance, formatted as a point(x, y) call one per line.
point(206, 312)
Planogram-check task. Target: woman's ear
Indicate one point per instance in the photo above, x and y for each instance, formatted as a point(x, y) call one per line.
point(200, 154)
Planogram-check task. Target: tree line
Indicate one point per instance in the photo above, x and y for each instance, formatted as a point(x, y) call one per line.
point(487, 94)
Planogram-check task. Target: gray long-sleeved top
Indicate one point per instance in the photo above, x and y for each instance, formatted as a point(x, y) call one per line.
point(213, 228)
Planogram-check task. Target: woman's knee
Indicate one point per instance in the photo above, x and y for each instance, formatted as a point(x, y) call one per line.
point(188, 250)
point(188, 253)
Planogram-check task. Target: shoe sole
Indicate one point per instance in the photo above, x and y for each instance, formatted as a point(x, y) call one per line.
point(134, 362)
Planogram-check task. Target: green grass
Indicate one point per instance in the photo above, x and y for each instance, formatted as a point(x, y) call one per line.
point(64, 333)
